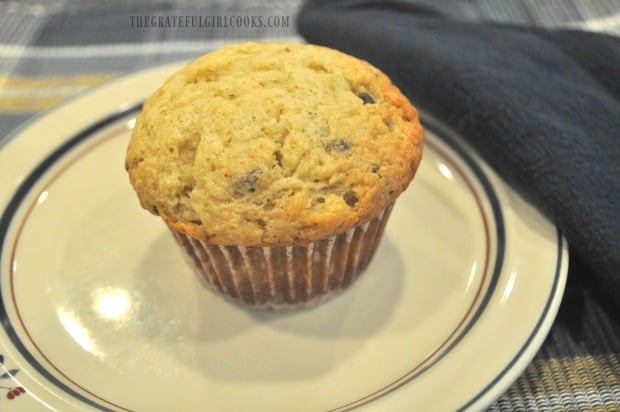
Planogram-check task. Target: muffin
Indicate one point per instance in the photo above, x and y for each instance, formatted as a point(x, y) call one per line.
point(275, 166)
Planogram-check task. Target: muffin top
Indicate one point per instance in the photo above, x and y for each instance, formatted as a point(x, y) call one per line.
point(261, 144)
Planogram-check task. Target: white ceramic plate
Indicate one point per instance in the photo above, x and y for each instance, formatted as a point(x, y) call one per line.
point(99, 309)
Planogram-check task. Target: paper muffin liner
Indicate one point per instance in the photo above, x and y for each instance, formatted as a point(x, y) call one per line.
point(286, 276)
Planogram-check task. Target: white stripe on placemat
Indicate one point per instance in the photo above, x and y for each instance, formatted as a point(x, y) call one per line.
point(119, 49)
point(607, 24)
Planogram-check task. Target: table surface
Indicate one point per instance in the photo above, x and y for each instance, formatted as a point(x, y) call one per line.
point(50, 51)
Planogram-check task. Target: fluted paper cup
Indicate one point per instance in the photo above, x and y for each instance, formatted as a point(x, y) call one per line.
point(286, 276)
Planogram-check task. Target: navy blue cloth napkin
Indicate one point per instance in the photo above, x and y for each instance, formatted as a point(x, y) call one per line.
point(542, 107)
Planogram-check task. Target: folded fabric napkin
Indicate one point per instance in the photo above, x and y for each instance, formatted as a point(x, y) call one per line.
point(542, 107)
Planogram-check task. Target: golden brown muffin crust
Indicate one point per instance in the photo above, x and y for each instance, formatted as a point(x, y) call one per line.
point(271, 143)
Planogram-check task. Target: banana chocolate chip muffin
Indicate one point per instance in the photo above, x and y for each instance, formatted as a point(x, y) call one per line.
point(275, 166)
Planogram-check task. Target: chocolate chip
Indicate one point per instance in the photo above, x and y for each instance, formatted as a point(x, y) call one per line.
point(366, 98)
point(337, 145)
point(350, 199)
point(155, 210)
point(248, 182)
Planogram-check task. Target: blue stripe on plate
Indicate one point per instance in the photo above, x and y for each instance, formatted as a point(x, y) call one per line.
point(5, 221)
point(535, 331)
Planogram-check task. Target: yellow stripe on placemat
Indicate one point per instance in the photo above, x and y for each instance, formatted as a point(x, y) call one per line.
point(552, 382)
point(27, 94)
